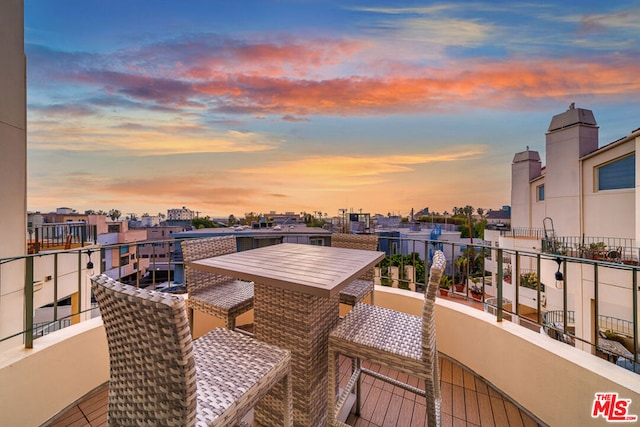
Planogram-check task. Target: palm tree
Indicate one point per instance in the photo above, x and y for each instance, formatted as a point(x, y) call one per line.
point(114, 214)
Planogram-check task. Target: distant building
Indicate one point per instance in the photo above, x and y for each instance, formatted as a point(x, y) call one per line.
point(499, 218)
point(392, 221)
point(251, 238)
point(121, 261)
point(584, 197)
point(584, 189)
point(149, 221)
point(59, 216)
point(65, 211)
point(182, 214)
point(284, 218)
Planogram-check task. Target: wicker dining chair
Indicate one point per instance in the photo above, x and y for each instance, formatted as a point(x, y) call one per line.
point(358, 289)
point(393, 339)
point(220, 296)
point(160, 377)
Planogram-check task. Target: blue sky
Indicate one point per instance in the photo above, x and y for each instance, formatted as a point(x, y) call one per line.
point(258, 106)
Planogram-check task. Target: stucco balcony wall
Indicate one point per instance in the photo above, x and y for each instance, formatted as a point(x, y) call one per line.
point(553, 381)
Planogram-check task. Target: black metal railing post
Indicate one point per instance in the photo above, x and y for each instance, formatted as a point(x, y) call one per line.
point(36, 243)
point(516, 282)
point(55, 286)
point(137, 264)
point(79, 285)
point(28, 303)
point(538, 292)
point(500, 278)
point(635, 314)
point(596, 323)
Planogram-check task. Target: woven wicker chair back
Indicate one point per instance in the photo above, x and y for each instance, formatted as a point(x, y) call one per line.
point(196, 249)
point(152, 368)
point(367, 242)
point(429, 351)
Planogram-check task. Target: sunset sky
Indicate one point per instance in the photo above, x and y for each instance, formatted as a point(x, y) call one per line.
point(228, 107)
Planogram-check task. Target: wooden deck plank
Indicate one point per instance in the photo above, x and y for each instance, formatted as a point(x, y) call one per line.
point(481, 386)
point(369, 404)
point(419, 416)
point(71, 416)
point(457, 375)
point(406, 413)
point(499, 412)
point(513, 414)
point(466, 400)
point(392, 417)
point(381, 408)
point(469, 380)
point(459, 408)
point(471, 407)
point(445, 370)
point(446, 389)
point(493, 392)
point(484, 408)
point(527, 420)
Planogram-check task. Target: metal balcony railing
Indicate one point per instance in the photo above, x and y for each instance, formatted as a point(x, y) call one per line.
point(405, 266)
point(613, 249)
point(64, 235)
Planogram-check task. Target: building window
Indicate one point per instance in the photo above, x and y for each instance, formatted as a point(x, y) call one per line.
point(617, 174)
point(317, 241)
point(540, 193)
point(113, 228)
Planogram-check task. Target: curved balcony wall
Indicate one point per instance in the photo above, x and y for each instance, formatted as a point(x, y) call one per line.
point(554, 382)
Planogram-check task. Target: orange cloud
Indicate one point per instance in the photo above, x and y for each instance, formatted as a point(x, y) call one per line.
point(472, 83)
point(351, 171)
point(148, 137)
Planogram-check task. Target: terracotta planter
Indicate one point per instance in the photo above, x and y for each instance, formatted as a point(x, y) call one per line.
point(477, 297)
point(459, 287)
point(444, 292)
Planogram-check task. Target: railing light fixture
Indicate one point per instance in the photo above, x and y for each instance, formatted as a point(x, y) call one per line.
point(89, 263)
point(559, 275)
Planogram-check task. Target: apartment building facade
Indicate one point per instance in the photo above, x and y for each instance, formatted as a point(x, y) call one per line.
point(181, 214)
point(584, 202)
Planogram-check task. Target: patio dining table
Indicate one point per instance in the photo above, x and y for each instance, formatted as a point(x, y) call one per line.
point(296, 304)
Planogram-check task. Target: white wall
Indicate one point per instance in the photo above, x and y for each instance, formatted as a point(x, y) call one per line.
point(13, 169)
point(60, 369)
point(609, 213)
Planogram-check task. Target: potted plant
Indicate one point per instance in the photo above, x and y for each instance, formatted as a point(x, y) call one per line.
point(597, 250)
point(461, 264)
point(445, 285)
point(476, 289)
point(529, 280)
point(506, 275)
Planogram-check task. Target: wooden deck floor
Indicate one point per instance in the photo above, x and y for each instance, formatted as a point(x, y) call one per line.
point(466, 401)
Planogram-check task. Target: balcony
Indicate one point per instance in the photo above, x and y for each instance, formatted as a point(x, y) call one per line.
point(553, 382)
point(57, 236)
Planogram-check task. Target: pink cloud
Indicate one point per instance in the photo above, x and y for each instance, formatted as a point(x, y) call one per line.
point(298, 78)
